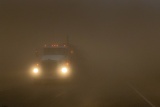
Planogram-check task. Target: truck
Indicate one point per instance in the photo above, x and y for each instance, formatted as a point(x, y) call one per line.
point(55, 63)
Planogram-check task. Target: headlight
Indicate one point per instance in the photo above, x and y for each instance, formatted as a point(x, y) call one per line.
point(64, 70)
point(35, 70)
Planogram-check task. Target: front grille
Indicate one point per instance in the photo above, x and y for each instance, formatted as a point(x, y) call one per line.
point(49, 67)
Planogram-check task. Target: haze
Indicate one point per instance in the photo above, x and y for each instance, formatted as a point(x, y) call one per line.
point(118, 40)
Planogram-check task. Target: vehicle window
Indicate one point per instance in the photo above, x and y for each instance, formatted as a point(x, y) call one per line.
point(54, 51)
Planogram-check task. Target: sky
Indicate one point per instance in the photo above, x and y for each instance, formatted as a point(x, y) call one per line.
point(121, 34)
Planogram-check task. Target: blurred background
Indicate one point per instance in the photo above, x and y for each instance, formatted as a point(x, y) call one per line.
point(116, 39)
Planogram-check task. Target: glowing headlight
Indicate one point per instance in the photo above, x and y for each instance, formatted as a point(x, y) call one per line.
point(35, 70)
point(64, 70)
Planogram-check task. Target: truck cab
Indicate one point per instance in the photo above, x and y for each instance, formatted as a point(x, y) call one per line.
point(55, 63)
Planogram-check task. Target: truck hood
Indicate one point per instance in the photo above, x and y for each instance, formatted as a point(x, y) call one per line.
point(53, 57)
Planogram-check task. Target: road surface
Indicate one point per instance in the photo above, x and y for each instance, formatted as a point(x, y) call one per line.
point(109, 91)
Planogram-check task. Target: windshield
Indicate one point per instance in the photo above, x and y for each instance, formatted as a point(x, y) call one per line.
point(55, 51)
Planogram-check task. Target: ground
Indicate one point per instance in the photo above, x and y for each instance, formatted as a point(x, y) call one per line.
point(19, 91)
